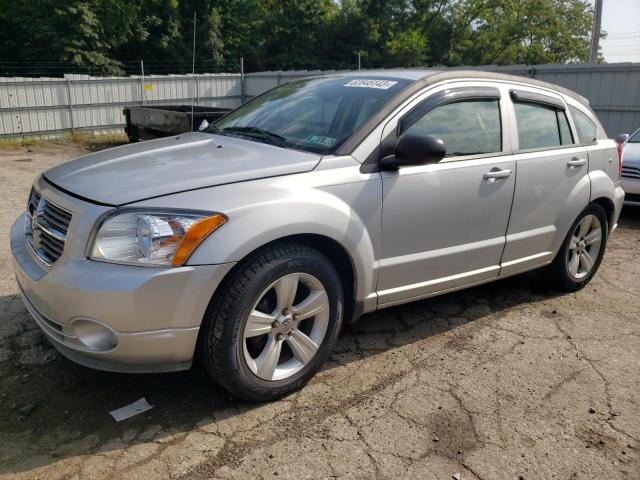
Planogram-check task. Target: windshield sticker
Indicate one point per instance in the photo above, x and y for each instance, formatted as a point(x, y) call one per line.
point(320, 140)
point(379, 84)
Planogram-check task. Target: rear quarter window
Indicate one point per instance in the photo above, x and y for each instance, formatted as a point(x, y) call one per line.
point(587, 130)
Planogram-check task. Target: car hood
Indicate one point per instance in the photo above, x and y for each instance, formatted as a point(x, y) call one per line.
point(159, 167)
point(631, 154)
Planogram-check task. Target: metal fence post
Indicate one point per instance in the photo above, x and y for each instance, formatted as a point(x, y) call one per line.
point(243, 86)
point(142, 94)
point(17, 125)
point(70, 103)
point(142, 91)
point(197, 91)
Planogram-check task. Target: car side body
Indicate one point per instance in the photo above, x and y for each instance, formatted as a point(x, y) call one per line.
point(631, 169)
point(394, 236)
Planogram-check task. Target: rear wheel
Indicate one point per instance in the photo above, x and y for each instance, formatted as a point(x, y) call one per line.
point(581, 253)
point(273, 322)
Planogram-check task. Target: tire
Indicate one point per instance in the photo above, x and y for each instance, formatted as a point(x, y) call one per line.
point(232, 345)
point(562, 274)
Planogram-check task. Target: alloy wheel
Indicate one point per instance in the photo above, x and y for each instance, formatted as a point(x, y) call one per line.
point(286, 326)
point(584, 247)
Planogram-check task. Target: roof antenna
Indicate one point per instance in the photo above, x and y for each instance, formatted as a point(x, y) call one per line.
point(193, 69)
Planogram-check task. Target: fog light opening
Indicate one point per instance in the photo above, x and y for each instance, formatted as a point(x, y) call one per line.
point(94, 335)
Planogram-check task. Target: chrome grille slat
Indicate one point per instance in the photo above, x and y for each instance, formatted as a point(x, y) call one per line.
point(630, 172)
point(53, 210)
point(56, 219)
point(34, 198)
point(53, 243)
point(46, 227)
point(52, 227)
point(50, 248)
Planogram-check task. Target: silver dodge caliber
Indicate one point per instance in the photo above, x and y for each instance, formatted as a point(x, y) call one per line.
point(251, 243)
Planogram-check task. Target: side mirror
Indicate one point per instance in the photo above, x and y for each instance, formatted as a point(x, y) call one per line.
point(414, 150)
point(620, 139)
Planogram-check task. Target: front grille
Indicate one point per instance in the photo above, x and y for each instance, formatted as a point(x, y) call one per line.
point(631, 172)
point(632, 198)
point(46, 226)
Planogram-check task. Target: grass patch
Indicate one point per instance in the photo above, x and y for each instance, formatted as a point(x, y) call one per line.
point(89, 141)
point(15, 144)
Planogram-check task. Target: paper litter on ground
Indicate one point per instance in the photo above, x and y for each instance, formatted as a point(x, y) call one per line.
point(130, 410)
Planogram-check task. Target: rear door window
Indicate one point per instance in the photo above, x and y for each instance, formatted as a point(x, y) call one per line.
point(587, 130)
point(541, 126)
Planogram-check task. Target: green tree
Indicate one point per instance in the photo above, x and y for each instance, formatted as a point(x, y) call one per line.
point(78, 34)
point(515, 31)
point(163, 36)
point(111, 36)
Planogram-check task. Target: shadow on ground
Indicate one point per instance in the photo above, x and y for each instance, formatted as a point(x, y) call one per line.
point(72, 401)
point(70, 404)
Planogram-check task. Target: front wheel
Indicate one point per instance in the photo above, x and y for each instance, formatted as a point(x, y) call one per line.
point(581, 252)
point(273, 322)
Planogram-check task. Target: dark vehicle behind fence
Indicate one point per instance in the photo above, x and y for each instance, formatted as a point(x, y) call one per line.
point(146, 122)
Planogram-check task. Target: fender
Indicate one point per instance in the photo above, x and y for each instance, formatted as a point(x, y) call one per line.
point(575, 202)
point(270, 209)
point(603, 187)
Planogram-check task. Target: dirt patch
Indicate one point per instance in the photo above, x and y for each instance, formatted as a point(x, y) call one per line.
point(507, 380)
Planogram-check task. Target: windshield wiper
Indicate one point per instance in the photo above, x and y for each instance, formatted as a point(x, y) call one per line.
point(255, 132)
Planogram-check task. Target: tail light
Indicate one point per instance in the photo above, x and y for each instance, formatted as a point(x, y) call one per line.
point(620, 159)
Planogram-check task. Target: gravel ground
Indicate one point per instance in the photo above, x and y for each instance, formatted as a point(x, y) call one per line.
point(503, 381)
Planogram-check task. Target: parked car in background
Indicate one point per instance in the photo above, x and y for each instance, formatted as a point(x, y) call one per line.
point(630, 175)
point(249, 244)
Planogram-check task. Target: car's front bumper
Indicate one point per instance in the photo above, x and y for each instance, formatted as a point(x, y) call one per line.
point(631, 188)
point(116, 317)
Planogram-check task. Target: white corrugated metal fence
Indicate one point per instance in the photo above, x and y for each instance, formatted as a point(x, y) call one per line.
point(51, 106)
point(54, 106)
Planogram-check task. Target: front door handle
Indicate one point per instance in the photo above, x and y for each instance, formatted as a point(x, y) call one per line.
point(577, 162)
point(495, 174)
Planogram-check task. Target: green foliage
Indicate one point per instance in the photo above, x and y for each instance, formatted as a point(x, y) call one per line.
point(516, 31)
point(111, 36)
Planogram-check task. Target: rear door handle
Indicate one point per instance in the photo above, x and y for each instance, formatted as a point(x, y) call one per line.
point(577, 162)
point(495, 174)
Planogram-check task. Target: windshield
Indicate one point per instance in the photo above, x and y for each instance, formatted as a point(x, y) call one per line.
point(316, 115)
point(635, 137)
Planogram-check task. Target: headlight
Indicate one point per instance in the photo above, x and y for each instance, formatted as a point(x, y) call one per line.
point(153, 238)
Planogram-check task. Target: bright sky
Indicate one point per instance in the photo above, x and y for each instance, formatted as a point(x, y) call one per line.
point(621, 21)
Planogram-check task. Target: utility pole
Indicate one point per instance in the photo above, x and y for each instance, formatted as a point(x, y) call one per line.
point(595, 34)
point(243, 87)
point(359, 62)
point(193, 68)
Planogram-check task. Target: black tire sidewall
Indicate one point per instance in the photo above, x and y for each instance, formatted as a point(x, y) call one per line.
point(240, 379)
